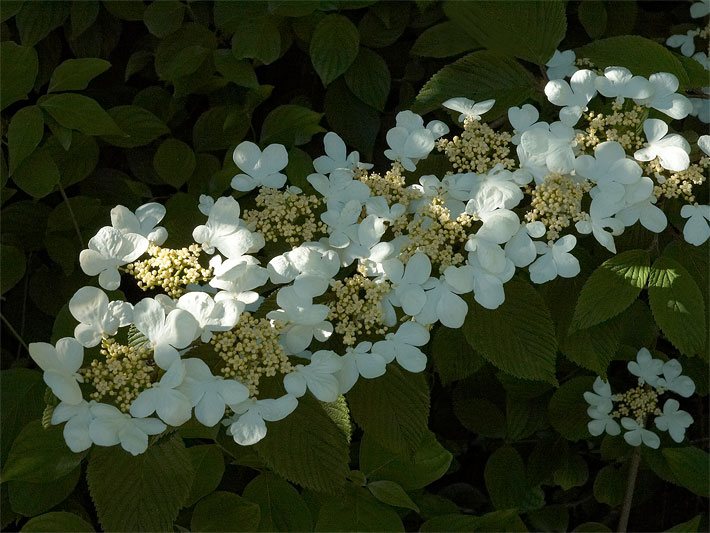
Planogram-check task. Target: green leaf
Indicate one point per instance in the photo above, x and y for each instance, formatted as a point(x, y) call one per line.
point(391, 493)
point(641, 56)
point(689, 466)
point(453, 357)
point(257, 38)
point(567, 410)
point(595, 347)
point(677, 305)
point(443, 40)
point(339, 412)
point(518, 337)
point(572, 472)
point(75, 74)
point(182, 52)
point(550, 518)
point(383, 24)
point(225, 511)
point(356, 122)
point(141, 493)
point(174, 161)
point(164, 17)
point(393, 409)
point(282, 507)
point(9, 9)
point(592, 14)
point(31, 499)
point(78, 161)
point(690, 526)
point(239, 72)
point(79, 112)
point(13, 267)
point(21, 398)
point(507, 484)
point(369, 78)
point(140, 126)
point(507, 520)
point(356, 510)
point(208, 464)
point(24, 134)
point(480, 76)
point(39, 455)
point(591, 527)
point(334, 47)
point(82, 15)
point(18, 70)
point(290, 125)
point(527, 30)
point(37, 175)
point(611, 288)
point(428, 463)
point(478, 414)
point(137, 62)
point(59, 521)
point(125, 9)
point(318, 452)
point(36, 19)
point(610, 484)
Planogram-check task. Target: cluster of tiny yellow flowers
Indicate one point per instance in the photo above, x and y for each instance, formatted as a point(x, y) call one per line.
point(391, 185)
point(285, 215)
point(705, 34)
point(478, 149)
point(125, 372)
point(170, 269)
point(678, 184)
point(356, 307)
point(250, 350)
point(637, 403)
point(622, 126)
point(437, 235)
point(557, 203)
point(584, 62)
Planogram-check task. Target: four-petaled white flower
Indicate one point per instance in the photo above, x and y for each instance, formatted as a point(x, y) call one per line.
point(646, 368)
point(211, 315)
point(686, 42)
point(601, 422)
point(407, 283)
point(97, 316)
point(671, 149)
point(674, 381)
point(303, 320)
point(164, 399)
point(700, 9)
point(664, 97)
point(619, 82)
point(226, 232)
point(574, 96)
point(673, 420)
point(524, 118)
point(637, 434)
point(404, 346)
point(237, 278)
point(247, 427)
point(409, 141)
point(78, 418)
point(555, 260)
point(110, 426)
point(600, 399)
point(359, 361)
point(337, 156)
point(108, 250)
point(468, 108)
point(343, 225)
point(61, 364)
point(339, 188)
point(561, 65)
point(319, 376)
point(143, 222)
point(697, 229)
point(261, 169)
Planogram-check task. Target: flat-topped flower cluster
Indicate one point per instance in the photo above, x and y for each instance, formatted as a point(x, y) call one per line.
point(248, 307)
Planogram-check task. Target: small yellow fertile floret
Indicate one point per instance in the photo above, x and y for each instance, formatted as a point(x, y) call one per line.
point(356, 307)
point(557, 202)
point(478, 149)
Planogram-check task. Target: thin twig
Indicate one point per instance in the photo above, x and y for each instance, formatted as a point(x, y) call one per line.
point(71, 214)
point(629, 495)
point(14, 332)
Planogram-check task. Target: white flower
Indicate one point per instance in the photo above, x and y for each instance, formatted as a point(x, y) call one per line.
point(561, 65)
point(318, 376)
point(651, 217)
point(673, 381)
point(621, 83)
point(697, 229)
point(671, 149)
point(598, 227)
point(686, 42)
point(700, 9)
point(555, 260)
point(378, 206)
point(97, 317)
point(574, 96)
point(608, 165)
point(443, 304)
point(703, 59)
point(208, 393)
point(410, 141)
point(664, 97)
point(165, 333)
point(520, 249)
point(206, 204)
point(339, 188)
point(601, 422)
point(673, 420)
point(238, 278)
point(404, 346)
point(359, 361)
point(468, 108)
point(308, 263)
point(524, 118)
point(76, 430)
point(495, 190)
point(261, 169)
point(600, 399)
point(164, 399)
point(701, 108)
point(646, 368)
point(637, 434)
point(343, 225)
point(303, 319)
point(337, 156)
point(110, 427)
point(546, 149)
point(108, 250)
point(247, 427)
point(487, 283)
point(61, 365)
point(704, 143)
point(143, 221)
point(226, 232)
point(407, 282)
point(210, 315)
